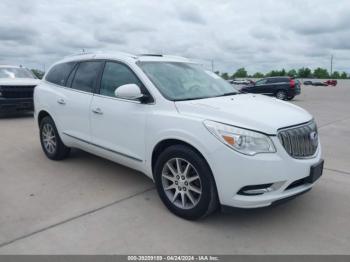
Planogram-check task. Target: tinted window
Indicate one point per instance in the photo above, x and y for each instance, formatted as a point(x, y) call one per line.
point(71, 76)
point(59, 73)
point(86, 76)
point(261, 82)
point(116, 75)
point(278, 80)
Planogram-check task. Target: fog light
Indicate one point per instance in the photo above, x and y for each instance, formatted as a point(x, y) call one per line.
point(255, 190)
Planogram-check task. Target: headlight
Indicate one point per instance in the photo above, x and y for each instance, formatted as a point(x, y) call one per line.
point(242, 140)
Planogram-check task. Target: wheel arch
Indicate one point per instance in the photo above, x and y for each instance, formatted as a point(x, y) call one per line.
point(41, 115)
point(165, 143)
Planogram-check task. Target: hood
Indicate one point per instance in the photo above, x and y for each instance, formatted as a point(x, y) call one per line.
point(19, 82)
point(251, 111)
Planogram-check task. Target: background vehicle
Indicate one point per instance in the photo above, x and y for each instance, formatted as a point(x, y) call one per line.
point(282, 87)
point(319, 83)
point(241, 82)
point(16, 89)
point(331, 82)
point(203, 143)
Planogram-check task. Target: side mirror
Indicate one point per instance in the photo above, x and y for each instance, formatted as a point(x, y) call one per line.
point(129, 91)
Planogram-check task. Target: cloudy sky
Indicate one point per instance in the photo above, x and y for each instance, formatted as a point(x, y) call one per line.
point(257, 34)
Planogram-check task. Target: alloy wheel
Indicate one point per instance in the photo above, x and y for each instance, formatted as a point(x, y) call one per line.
point(49, 138)
point(181, 183)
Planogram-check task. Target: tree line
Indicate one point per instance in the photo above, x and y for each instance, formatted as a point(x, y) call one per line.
point(303, 72)
point(38, 73)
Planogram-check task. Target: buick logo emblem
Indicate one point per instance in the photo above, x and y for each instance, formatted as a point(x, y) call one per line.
point(314, 138)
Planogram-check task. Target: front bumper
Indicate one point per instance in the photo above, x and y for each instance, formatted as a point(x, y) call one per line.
point(8, 105)
point(234, 171)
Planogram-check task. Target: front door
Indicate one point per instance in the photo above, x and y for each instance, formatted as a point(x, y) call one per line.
point(118, 125)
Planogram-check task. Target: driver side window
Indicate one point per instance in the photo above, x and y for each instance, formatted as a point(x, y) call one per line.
point(116, 75)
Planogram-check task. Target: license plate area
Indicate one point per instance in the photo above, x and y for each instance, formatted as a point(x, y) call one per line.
point(315, 172)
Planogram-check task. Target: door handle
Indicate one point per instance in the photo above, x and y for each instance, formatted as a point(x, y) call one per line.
point(61, 101)
point(97, 111)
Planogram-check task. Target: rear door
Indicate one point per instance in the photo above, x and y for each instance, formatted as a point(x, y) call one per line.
point(274, 84)
point(74, 101)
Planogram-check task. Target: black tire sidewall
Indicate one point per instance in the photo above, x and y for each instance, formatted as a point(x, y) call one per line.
point(61, 150)
point(281, 91)
point(207, 181)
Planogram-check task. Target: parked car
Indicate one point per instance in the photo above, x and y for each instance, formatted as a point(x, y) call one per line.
point(16, 89)
point(308, 83)
point(242, 82)
point(204, 143)
point(331, 82)
point(319, 83)
point(282, 87)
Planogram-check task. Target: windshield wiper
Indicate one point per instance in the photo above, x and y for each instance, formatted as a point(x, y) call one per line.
point(191, 98)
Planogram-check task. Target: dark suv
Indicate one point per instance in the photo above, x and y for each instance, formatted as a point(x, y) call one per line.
point(16, 89)
point(282, 87)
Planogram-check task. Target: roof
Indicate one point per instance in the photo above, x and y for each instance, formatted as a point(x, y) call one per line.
point(125, 57)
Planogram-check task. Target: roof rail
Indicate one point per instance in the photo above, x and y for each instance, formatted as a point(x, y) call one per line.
point(81, 53)
point(160, 55)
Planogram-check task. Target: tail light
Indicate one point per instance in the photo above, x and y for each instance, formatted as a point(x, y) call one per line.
point(292, 83)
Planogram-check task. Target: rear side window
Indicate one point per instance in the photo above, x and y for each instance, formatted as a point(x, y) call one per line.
point(261, 82)
point(116, 75)
point(59, 73)
point(86, 76)
point(278, 80)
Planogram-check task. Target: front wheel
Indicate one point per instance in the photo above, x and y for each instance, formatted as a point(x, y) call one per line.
point(51, 142)
point(184, 182)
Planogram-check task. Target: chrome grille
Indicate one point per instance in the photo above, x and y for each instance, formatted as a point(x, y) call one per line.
point(300, 141)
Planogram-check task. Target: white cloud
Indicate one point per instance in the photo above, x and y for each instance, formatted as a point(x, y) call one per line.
point(260, 35)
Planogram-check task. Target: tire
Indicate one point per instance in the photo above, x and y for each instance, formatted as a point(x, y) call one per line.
point(282, 95)
point(196, 205)
point(290, 98)
point(53, 146)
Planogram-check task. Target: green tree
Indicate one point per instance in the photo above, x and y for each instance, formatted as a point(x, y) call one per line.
point(258, 75)
point(241, 72)
point(304, 72)
point(292, 72)
point(38, 73)
point(321, 73)
point(336, 75)
point(225, 76)
point(217, 72)
point(344, 75)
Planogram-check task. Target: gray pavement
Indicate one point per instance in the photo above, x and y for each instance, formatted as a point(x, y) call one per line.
point(88, 205)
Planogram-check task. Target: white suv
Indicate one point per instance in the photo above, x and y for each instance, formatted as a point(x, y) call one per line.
point(201, 141)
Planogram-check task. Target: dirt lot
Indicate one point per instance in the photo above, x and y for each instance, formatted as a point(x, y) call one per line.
point(87, 205)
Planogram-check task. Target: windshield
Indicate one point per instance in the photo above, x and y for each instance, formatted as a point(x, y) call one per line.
point(184, 81)
point(13, 72)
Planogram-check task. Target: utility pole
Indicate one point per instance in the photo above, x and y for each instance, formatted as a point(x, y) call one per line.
point(331, 65)
point(212, 65)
